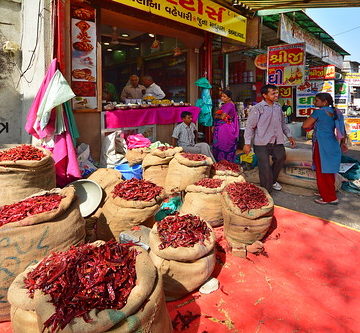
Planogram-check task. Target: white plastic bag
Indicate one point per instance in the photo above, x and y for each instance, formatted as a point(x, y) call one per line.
point(84, 159)
point(113, 150)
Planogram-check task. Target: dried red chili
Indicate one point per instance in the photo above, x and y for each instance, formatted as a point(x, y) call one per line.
point(246, 196)
point(194, 157)
point(164, 148)
point(224, 165)
point(182, 231)
point(209, 182)
point(23, 152)
point(136, 189)
point(84, 278)
point(28, 207)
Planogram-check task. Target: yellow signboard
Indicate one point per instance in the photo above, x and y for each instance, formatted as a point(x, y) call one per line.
point(203, 14)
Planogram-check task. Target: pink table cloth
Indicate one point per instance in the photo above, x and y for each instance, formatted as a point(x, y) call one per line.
point(150, 116)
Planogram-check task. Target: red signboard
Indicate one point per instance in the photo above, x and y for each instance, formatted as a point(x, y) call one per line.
point(322, 72)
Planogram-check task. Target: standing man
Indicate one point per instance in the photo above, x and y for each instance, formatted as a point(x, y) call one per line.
point(134, 90)
point(152, 89)
point(266, 126)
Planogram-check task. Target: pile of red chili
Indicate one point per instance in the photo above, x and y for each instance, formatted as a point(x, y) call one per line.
point(136, 189)
point(209, 182)
point(246, 196)
point(28, 207)
point(164, 148)
point(84, 278)
point(224, 165)
point(182, 231)
point(23, 152)
point(194, 157)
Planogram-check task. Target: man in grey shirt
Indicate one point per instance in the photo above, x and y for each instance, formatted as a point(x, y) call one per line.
point(134, 90)
point(152, 89)
point(185, 136)
point(266, 127)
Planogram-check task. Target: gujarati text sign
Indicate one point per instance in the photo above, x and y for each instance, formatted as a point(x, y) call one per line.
point(202, 14)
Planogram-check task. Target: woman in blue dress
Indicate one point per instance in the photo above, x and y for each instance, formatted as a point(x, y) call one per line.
point(329, 134)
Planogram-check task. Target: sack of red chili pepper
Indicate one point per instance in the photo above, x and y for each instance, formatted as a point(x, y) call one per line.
point(99, 287)
point(248, 212)
point(136, 155)
point(182, 250)
point(186, 169)
point(226, 168)
point(203, 199)
point(48, 221)
point(156, 164)
point(25, 170)
point(131, 203)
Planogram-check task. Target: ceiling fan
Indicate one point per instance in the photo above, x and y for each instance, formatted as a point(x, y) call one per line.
point(116, 40)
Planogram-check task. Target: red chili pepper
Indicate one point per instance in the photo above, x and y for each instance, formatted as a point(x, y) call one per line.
point(194, 157)
point(136, 189)
point(224, 165)
point(23, 152)
point(32, 206)
point(84, 278)
point(182, 231)
point(246, 196)
point(209, 182)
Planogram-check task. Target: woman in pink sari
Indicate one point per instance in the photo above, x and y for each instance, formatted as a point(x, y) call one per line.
point(226, 129)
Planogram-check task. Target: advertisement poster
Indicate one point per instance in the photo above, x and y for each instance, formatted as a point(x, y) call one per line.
point(286, 64)
point(342, 96)
point(83, 49)
point(353, 79)
point(353, 129)
point(322, 72)
point(305, 95)
point(286, 99)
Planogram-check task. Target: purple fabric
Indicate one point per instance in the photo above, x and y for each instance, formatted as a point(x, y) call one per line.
point(150, 116)
point(226, 135)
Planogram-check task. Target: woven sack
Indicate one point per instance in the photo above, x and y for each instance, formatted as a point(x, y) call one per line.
point(20, 179)
point(231, 179)
point(136, 155)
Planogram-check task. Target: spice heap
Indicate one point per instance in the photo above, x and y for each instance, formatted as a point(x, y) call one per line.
point(224, 165)
point(136, 189)
point(247, 196)
point(164, 148)
point(28, 207)
point(23, 152)
point(194, 157)
point(84, 278)
point(182, 231)
point(209, 183)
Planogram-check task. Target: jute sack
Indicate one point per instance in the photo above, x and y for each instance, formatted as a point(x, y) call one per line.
point(183, 172)
point(136, 155)
point(205, 203)
point(231, 179)
point(156, 164)
point(31, 239)
point(248, 226)
point(120, 214)
point(145, 310)
point(181, 278)
point(20, 179)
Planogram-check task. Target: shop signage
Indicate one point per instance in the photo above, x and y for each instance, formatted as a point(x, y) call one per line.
point(353, 129)
point(286, 99)
point(353, 79)
point(290, 32)
point(261, 61)
point(203, 14)
point(305, 95)
point(342, 96)
point(286, 64)
point(322, 73)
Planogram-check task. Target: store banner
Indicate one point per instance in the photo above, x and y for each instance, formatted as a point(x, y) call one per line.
point(342, 96)
point(286, 64)
point(83, 51)
point(352, 126)
point(305, 95)
point(202, 14)
point(353, 79)
point(322, 72)
point(286, 99)
point(290, 32)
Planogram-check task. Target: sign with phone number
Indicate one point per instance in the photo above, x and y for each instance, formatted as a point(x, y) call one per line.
point(353, 129)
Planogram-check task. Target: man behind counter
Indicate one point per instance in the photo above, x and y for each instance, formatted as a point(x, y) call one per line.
point(134, 90)
point(152, 89)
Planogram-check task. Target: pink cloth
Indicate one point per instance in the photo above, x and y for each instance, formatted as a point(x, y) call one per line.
point(150, 116)
point(137, 141)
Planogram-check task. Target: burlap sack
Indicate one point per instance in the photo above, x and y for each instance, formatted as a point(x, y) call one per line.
point(248, 226)
point(106, 179)
point(205, 203)
point(119, 214)
point(171, 152)
point(231, 179)
point(181, 253)
point(136, 155)
point(20, 179)
point(181, 278)
point(31, 239)
point(183, 172)
point(145, 310)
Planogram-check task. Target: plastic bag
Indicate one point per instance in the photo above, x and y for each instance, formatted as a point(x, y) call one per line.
point(86, 163)
point(113, 150)
point(137, 141)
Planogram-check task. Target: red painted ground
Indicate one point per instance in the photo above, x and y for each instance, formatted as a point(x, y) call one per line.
point(308, 283)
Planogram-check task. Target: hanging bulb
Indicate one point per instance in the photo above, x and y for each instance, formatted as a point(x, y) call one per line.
point(177, 50)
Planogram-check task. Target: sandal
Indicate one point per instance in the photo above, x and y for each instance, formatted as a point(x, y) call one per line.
point(322, 202)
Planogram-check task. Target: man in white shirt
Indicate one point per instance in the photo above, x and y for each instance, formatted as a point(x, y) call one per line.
point(152, 89)
point(134, 90)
